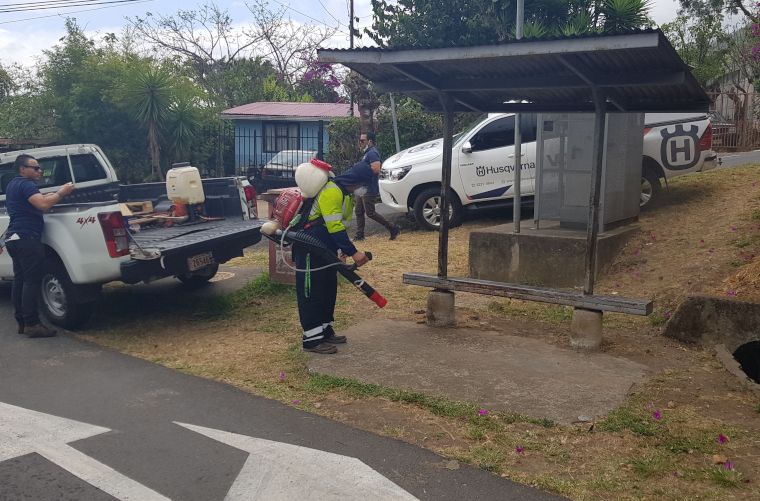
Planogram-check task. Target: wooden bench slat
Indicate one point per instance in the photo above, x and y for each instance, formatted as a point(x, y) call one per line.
point(529, 293)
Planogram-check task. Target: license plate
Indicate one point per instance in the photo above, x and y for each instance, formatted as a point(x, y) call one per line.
point(195, 263)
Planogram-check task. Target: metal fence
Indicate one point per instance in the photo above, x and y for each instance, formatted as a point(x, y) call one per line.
point(735, 120)
point(275, 150)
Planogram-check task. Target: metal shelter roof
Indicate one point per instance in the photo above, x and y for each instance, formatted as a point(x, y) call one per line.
point(637, 71)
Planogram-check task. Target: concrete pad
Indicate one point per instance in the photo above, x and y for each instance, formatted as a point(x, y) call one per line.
point(492, 369)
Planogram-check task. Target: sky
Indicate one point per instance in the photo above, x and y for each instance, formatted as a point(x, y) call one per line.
point(23, 35)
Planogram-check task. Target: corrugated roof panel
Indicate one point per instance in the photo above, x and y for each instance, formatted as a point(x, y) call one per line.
point(286, 109)
point(638, 71)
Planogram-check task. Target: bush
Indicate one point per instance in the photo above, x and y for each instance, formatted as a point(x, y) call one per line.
point(343, 148)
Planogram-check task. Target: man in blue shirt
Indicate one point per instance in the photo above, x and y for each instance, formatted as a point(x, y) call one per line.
point(366, 203)
point(23, 238)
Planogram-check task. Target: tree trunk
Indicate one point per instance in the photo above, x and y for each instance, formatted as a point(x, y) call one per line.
point(154, 151)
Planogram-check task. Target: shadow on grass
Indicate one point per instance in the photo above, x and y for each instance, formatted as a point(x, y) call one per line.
point(121, 305)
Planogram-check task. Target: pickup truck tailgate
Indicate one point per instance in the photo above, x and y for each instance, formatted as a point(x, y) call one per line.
point(173, 246)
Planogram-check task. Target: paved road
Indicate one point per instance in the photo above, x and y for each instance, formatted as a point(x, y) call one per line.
point(736, 159)
point(81, 422)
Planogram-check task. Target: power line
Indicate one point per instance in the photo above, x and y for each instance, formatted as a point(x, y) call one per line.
point(306, 15)
point(328, 12)
point(58, 5)
point(67, 13)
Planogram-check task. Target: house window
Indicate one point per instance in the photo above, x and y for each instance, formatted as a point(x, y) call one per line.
point(281, 136)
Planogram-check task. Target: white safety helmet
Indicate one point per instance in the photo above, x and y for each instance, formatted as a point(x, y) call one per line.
point(312, 176)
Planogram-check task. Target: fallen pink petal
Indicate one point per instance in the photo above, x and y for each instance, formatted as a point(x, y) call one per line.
point(657, 415)
point(282, 376)
point(483, 412)
point(722, 439)
point(730, 292)
point(649, 406)
point(702, 241)
point(519, 449)
point(733, 228)
point(296, 402)
point(667, 315)
point(728, 465)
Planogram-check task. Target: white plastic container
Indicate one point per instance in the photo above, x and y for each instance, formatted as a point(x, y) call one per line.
point(183, 186)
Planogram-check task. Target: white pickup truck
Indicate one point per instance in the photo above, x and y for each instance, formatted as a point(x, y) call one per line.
point(88, 243)
point(410, 181)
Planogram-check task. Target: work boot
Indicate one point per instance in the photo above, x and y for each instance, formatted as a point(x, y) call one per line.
point(335, 339)
point(38, 330)
point(395, 230)
point(322, 349)
point(20, 326)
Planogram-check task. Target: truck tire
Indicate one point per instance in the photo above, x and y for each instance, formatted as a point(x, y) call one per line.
point(58, 300)
point(200, 277)
point(650, 187)
point(427, 209)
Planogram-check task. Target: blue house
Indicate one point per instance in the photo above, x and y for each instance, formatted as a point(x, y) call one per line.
point(299, 130)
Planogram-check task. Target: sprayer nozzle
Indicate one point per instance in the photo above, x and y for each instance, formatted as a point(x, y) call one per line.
point(378, 299)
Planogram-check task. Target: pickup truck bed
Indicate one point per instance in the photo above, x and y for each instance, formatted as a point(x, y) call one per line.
point(223, 239)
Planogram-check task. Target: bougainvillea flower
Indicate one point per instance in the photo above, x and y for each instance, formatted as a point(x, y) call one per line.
point(519, 449)
point(730, 292)
point(296, 402)
point(722, 439)
point(282, 376)
point(728, 465)
point(483, 412)
point(657, 415)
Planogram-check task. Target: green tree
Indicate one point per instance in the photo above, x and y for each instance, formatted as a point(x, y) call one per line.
point(440, 23)
point(149, 96)
point(702, 44)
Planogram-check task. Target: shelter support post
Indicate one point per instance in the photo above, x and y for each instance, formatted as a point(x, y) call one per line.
point(586, 328)
point(440, 305)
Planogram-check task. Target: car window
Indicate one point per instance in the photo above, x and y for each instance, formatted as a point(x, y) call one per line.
point(55, 171)
point(497, 134)
point(87, 168)
point(528, 127)
point(7, 172)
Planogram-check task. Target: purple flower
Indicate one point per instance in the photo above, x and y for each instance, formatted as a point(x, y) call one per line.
point(282, 376)
point(296, 402)
point(722, 439)
point(483, 412)
point(657, 415)
point(519, 449)
point(728, 465)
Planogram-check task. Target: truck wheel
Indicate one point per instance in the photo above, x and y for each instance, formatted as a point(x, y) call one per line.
point(427, 209)
point(200, 277)
point(59, 299)
point(650, 187)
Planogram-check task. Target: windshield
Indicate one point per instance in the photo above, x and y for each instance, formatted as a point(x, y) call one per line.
point(291, 158)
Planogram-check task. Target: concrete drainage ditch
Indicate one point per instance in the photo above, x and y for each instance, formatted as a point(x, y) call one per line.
point(731, 327)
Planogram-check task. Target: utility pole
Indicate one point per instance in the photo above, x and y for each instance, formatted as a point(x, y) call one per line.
point(516, 206)
point(351, 46)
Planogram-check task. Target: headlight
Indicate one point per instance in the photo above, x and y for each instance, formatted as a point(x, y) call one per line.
point(396, 173)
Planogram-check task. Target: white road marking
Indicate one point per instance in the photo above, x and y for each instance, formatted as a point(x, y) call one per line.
point(24, 431)
point(278, 471)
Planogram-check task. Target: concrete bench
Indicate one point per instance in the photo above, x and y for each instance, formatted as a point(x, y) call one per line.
point(529, 293)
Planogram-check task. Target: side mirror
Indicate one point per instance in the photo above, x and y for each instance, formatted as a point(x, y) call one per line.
point(467, 147)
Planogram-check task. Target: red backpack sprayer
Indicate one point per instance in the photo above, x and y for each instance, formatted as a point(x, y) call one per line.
point(291, 211)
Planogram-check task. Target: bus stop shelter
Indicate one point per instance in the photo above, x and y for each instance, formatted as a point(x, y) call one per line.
point(633, 72)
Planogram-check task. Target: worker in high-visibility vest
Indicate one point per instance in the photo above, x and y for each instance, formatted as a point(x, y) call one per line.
point(331, 209)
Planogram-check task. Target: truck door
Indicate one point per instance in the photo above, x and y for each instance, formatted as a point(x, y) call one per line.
point(486, 162)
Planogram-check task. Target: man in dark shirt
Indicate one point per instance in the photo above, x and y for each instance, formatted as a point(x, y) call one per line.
point(366, 203)
point(23, 238)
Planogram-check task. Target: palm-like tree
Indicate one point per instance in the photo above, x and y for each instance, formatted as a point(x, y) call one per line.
point(149, 95)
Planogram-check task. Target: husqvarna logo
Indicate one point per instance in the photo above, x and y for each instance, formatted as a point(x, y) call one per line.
point(480, 171)
point(679, 148)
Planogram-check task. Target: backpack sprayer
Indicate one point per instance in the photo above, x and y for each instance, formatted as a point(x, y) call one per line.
point(289, 211)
